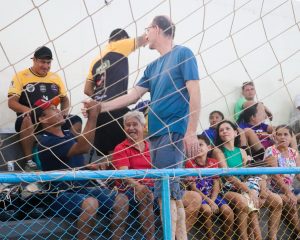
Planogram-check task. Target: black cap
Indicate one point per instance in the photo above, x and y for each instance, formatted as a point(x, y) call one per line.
point(43, 53)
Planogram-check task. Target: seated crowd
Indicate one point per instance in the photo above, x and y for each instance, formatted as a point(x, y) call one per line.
point(235, 199)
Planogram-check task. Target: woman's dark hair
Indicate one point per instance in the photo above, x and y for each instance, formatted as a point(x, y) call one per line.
point(285, 127)
point(118, 34)
point(247, 113)
point(217, 112)
point(204, 138)
point(220, 142)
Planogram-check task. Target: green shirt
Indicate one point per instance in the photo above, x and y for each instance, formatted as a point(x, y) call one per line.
point(234, 158)
point(238, 107)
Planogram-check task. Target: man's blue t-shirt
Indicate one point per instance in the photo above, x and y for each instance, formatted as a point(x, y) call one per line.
point(165, 79)
point(53, 151)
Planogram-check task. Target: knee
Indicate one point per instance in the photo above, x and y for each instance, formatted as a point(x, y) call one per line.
point(192, 200)
point(227, 213)
point(90, 206)
point(276, 202)
point(206, 211)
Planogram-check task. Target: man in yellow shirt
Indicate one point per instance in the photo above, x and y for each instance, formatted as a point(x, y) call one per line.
point(108, 79)
point(29, 85)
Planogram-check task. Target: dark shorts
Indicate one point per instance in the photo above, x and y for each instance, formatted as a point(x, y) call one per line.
point(69, 203)
point(219, 201)
point(109, 132)
point(167, 152)
point(71, 120)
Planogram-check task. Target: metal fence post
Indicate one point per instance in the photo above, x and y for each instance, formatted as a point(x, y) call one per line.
point(166, 208)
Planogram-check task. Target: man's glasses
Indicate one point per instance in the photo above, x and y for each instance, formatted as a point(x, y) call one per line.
point(148, 28)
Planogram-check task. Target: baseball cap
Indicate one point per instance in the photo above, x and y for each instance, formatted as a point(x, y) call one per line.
point(41, 105)
point(43, 53)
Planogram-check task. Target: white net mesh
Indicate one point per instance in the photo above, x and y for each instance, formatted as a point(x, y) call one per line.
point(233, 42)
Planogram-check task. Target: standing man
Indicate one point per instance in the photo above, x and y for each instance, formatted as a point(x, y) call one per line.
point(29, 85)
point(249, 93)
point(173, 83)
point(108, 79)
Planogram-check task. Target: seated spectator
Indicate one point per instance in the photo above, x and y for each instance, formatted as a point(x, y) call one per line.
point(214, 118)
point(282, 184)
point(253, 117)
point(249, 140)
point(26, 88)
point(59, 150)
point(209, 189)
point(241, 198)
point(248, 92)
point(133, 153)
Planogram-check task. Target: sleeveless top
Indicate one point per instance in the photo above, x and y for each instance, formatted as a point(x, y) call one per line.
point(234, 159)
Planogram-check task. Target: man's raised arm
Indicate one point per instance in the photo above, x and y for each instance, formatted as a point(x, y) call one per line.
point(131, 97)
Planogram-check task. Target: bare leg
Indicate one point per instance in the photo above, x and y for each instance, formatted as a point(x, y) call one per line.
point(207, 214)
point(173, 209)
point(252, 139)
point(254, 227)
point(120, 213)
point(180, 225)
point(86, 221)
point(274, 203)
point(240, 208)
point(147, 216)
point(228, 218)
point(192, 203)
point(292, 216)
point(27, 137)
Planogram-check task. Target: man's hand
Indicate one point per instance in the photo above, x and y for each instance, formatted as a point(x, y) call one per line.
point(214, 207)
point(141, 191)
point(191, 145)
point(91, 108)
point(98, 166)
point(271, 161)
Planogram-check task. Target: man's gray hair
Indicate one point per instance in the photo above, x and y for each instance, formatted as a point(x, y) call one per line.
point(135, 114)
point(165, 23)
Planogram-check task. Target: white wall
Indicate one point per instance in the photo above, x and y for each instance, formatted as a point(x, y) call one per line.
point(234, 42)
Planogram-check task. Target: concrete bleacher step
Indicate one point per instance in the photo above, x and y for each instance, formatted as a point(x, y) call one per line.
point(59, 228)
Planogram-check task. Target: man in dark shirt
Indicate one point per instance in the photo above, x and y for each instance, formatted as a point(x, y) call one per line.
point(108, 79)
point(59, 150)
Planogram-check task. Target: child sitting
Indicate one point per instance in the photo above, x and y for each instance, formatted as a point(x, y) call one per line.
point(209, 188)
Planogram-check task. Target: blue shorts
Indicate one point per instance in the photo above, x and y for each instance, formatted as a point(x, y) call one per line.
point(167, 152)
point(68, 203)
point(219, 201)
